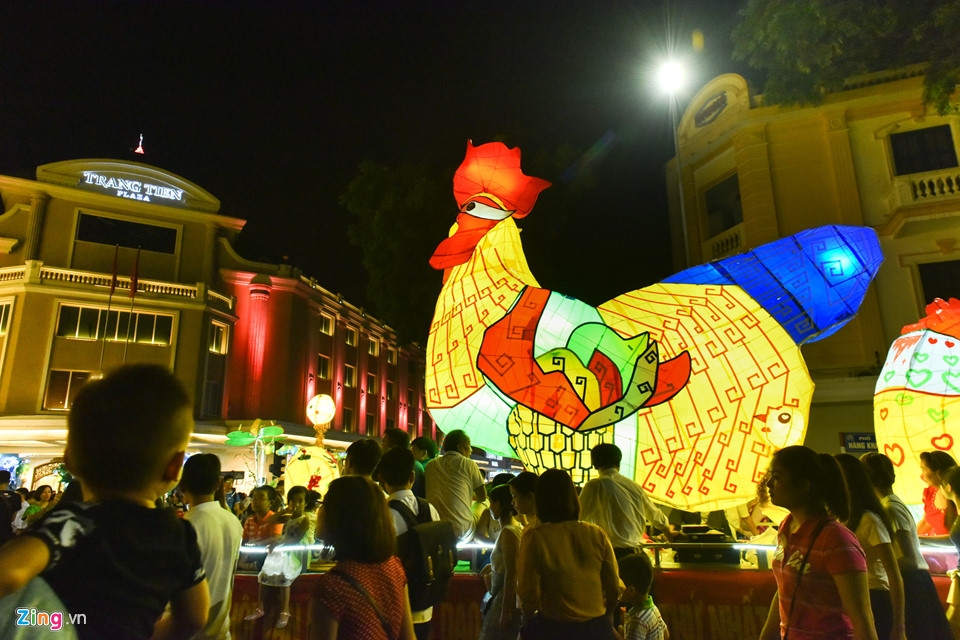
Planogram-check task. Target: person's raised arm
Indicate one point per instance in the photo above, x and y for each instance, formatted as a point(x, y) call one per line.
point(188, 613)
point(855, 596)
point(21, 560)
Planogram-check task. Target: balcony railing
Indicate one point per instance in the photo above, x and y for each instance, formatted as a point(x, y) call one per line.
point(38, 271)
point(935, 186)
point(728, 243)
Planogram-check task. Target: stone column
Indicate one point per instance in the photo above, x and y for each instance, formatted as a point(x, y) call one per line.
point(38, 210)
point(756, 187)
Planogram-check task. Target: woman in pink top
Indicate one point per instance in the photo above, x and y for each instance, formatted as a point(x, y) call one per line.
point(821, 570)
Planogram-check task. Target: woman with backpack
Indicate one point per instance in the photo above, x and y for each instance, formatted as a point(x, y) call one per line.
point(364, 597)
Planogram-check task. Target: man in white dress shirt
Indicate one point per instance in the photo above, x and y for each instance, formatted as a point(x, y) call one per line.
point(454, 483)
point(617, 504)
point(218, 535)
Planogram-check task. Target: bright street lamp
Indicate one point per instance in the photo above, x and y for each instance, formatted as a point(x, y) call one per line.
point(671, 79)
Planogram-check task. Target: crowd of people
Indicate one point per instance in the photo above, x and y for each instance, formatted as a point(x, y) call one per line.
point(567, 562)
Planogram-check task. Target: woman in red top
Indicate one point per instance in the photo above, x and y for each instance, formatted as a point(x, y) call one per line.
point(355, 519)
point(938, 512)
point(821, 570)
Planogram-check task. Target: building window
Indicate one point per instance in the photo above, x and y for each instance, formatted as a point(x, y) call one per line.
point(5, 317)
point(724, 210)
point(409, 396)
point(326, 325)
point(391, 423)
point(940, 280)
point(349, 375)
point(391, 356)
point(62, 388)
point(390, 392)
point(373, 347)
point(922, 150)
point(348, 424)
point(218, 338)
point(372, 384)
point(127, 234)
point(92, 323)
point(323, 367)
point(371, 425)
point(351, 338)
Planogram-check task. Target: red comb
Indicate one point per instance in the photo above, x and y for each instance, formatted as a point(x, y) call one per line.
point(493, 171)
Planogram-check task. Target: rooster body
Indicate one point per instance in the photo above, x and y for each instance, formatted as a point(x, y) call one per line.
point(693, 378)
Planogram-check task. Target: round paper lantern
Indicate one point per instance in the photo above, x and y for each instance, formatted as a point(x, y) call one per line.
point(916, 406)
point(321, 409)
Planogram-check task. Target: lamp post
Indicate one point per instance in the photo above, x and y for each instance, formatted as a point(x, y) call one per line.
point(671, 78)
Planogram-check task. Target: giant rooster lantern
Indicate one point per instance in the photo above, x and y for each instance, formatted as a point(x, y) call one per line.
point(697, 379)
point(916, 406)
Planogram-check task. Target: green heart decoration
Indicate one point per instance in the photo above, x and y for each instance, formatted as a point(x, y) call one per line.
point(953, 383)
point(921, 357)
point(888, 376)
point(938, 416)
point(918, 377)
point(903, 399)
point(951, 360)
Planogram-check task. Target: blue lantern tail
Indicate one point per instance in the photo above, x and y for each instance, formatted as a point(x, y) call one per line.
point(812, 282)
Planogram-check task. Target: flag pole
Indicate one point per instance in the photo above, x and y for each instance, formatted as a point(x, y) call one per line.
point(113, 287)
point(134, 283)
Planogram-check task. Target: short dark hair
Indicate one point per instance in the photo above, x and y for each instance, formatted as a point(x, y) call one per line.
point(525, 482)
point(427, 444)
point(394, 437)
point(272, 496)
point(364, 455)
point(636, 571)
point(606, 455)
point(879, 469)
point(454, 440)
point(4, 476)
point(556, 497)
point(396, 467)
point(502, 496)
point(297, 490)
point(122, 428)
point(201, 474)
point(357, 521)
point(501, 478)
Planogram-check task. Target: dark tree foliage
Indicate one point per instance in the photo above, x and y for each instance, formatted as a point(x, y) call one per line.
point(809, 47)
point(400, 213)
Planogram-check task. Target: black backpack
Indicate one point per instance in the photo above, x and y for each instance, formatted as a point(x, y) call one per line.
point(428, 551)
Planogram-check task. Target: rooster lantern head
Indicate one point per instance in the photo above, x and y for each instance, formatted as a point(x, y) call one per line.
point(489, 186)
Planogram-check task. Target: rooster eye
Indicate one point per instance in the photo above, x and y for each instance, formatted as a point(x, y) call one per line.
point(470, 206)
point(784, 418)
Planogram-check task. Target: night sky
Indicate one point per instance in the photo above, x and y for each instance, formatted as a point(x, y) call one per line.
point(271, 108)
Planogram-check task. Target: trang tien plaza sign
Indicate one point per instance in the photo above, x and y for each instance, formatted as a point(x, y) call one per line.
point(132, 189)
